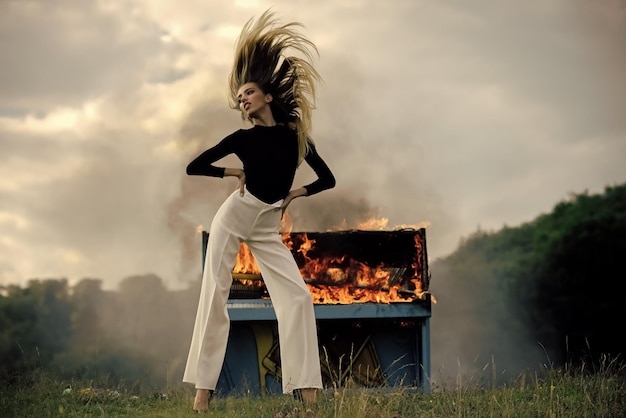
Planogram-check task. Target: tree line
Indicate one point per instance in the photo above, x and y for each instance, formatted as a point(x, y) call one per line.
point(137, 333)
point(557, 281)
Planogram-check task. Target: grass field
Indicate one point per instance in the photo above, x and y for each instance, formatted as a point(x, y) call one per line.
point(567, 392)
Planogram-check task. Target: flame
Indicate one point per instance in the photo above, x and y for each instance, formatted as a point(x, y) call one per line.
point(374, 224)
point(419, 225)
point(245, 263)
point(342, 280)
point(306, 246)
point(377, 224)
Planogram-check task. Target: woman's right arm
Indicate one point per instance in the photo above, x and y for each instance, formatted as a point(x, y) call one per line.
point(203, 164)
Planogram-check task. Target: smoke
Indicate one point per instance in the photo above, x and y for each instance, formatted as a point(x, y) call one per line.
point(476, 335)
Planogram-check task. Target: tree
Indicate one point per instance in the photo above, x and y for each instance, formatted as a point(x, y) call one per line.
point(35, 326)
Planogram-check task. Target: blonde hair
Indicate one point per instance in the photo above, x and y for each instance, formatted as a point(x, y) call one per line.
point(260, 58)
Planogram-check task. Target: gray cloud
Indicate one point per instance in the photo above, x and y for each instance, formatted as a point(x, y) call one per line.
point(62, 53)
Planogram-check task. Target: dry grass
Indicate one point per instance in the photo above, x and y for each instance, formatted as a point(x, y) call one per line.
point(558, 393)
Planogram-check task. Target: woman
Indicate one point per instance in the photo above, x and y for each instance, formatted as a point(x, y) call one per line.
point(276, 94)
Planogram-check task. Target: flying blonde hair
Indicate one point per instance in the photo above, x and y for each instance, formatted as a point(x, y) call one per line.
point(260, 57)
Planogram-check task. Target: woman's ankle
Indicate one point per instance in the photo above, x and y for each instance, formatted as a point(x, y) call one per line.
point(308, 395)
point(202, 399)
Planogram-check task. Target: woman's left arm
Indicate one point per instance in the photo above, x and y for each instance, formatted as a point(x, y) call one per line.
point(325, 178)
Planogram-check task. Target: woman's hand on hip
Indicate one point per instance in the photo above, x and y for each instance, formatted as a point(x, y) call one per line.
point(240, 174)
point(242, 182)
point(290, 196)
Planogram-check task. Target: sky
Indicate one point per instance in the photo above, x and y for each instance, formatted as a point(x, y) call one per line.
point(464, 115)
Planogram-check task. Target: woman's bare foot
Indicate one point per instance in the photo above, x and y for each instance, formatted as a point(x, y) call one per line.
point(201, 403)
point(309, 395)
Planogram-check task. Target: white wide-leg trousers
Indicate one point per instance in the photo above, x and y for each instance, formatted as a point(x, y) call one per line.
point(250, 220)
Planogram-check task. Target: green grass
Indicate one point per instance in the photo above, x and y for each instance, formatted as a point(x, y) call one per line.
point(557, 393)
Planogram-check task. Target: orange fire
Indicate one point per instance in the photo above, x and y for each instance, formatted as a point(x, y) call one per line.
point(374, 224)
point(341, 280)
point(245, 263)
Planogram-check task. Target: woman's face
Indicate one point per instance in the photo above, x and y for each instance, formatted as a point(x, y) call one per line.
point(252, 100)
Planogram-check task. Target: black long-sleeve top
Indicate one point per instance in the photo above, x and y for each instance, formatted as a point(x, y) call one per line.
point(270, 158)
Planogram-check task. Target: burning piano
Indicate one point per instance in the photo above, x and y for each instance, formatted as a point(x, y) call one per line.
point(372, 306)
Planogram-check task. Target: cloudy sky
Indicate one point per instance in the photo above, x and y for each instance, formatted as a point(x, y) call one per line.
point(473, 114)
